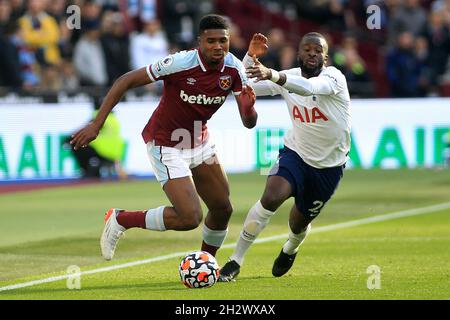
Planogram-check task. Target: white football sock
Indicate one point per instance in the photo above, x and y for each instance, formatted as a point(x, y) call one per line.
point(154, 219)
point(295, 240)
point(214, 237)
point(257, 218)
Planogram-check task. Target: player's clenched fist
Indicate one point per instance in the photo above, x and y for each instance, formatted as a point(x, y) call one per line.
point(247, 100)
point(249, 95)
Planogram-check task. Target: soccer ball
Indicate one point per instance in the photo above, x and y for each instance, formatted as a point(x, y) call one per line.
point(199, 269)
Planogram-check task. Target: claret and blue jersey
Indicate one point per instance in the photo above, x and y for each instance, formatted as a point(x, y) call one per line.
point(192, 93)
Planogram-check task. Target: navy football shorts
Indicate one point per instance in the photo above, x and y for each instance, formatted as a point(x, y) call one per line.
point(311, 187)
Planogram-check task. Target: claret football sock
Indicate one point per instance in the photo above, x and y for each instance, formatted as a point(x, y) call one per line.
point(131, 219)
point(151, 219)
point(209, 248)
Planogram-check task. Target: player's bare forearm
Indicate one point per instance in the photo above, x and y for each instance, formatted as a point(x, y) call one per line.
point(127, 81)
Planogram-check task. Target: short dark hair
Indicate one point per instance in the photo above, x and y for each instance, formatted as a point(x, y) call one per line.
point(314, 34)
point(213, 21)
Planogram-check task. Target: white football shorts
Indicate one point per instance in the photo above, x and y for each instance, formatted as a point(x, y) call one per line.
point(170, 163)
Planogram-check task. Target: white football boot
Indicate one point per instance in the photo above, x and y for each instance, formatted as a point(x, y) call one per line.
point(111, 234)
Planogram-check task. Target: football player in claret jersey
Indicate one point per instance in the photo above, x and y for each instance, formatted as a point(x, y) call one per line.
point(311, 164)
point(182, 155)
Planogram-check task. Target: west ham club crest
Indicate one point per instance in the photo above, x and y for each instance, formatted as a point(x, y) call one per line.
point(225, 82)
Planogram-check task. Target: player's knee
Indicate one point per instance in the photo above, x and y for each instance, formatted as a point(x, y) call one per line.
point(192, 223)
point(222, 214)
point(271, 201)
point(191, 219)
point(226, 209)
point(299, 225)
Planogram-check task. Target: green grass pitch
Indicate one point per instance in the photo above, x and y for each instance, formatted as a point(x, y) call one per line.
point(43, 232)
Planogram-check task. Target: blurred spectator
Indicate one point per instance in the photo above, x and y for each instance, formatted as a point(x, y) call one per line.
point(111, 5)
point(50, 79)
point(444, 7)
point(403, 68)
point(69, 79)
point(437, 35)
point(276, 40)
point(10, 66)
point(202, 8)
point(330, 12)
point(180, 17)
point(421, 54)
point(288, 57)
point(65, 45)
point(57, 9)
point(89, 58)
point(26, 56)
point(41, 32)
point(331, 46)
point(177, 18)
point(339, 18)
point(410, 17)
point(5, 15)
point(140, 12)
point(115, 44)
point(91, 12)
point(387, 10)
point(17, 9)
point(347, 59)
point(150, 45)
point(238, 45)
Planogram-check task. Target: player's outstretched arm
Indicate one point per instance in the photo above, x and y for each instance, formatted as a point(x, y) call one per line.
point(127, 81)
point(261, 72)
point(246, 101)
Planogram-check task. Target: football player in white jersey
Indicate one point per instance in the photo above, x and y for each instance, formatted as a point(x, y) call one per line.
point(316, 148)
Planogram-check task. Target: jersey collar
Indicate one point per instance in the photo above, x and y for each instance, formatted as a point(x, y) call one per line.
point(204, 66)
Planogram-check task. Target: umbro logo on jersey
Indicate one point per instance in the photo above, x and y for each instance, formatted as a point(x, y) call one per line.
point(190, 81)
point(201, 99)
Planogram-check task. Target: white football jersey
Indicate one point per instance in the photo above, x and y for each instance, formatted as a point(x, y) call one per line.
point(320, 114)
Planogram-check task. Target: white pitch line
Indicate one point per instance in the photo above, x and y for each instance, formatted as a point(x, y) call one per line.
point(342, 225)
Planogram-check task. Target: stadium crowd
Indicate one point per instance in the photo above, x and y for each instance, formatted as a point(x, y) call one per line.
point(40, 50)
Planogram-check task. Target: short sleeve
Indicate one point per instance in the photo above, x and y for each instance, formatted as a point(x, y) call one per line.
point(170, 64)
